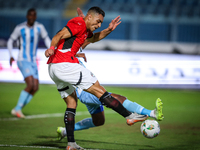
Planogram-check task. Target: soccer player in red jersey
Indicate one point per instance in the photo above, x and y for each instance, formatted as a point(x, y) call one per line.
point(67, 73)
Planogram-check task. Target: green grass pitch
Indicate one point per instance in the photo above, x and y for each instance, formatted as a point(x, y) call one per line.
point(180, 128)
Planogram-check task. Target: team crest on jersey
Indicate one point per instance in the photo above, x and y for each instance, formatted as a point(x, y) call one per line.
point(92, 74)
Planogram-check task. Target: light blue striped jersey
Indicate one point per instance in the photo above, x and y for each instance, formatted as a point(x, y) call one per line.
point(28, 39)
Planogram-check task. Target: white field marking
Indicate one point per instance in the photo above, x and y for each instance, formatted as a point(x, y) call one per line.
point(80, 113)
point(46, 147)
point(6, 145)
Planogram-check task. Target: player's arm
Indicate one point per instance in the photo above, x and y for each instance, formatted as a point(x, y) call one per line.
point(80, 12)
point(45, 36)
point(10, 47)
point(102, 34)
point(12, 38)
point(63, 34)
point(81, 55)
point(47, 41)
point(85, 44)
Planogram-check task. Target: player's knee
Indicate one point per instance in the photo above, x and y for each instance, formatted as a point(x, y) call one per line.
point(99, 122)
point(29, 87)
point(120, 98)
point(35, 89)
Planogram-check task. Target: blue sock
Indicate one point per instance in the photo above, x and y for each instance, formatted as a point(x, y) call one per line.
point(22, 98)
point(84, 124)
point(28, 99)
point(146, 112)
point(132, 106)
point(135, 107)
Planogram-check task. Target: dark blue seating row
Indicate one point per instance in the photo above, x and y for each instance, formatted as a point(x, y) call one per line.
point(188, 8)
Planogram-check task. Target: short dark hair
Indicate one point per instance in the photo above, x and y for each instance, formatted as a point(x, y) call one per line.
point(97, 10)
point(30, 10)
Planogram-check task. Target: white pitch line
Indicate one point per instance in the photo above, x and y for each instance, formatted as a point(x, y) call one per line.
point(80, 113)
point(42, 147)
point(5, 145)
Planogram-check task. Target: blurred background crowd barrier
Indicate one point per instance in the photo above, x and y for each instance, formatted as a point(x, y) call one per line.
point(169, 26)
point(157, 43)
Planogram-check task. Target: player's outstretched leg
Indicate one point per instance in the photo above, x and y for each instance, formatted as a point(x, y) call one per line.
point(110, 102)
point(136, 118)
point(134, 107)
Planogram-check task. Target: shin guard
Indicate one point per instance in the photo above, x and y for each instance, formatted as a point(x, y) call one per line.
point(110, 102)
point(69, 120)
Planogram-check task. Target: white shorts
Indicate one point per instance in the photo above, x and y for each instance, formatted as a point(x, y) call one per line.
point(68, 76)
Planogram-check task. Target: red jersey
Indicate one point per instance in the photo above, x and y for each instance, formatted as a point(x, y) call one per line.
point(67, 48)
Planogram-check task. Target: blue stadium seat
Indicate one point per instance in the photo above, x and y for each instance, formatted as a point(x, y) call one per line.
point(121, 32)
point(24, 4)
point(133, 2)
point(121, 2)
point(188, 33)
point(188, 2)
point(155, 2)
point(127, 8)
point(168, 2)
point(153, 31)
point(109, 1)
point(196, 11)
point(91, 3)
point(144, 2)
point(147, 9)
point(186, 11)
point(115, 7)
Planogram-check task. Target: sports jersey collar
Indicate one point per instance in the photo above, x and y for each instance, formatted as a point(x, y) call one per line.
point(30, 26)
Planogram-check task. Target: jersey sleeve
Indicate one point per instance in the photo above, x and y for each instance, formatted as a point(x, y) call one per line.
point(75, 26)
point(15, 34)
point(44, 33)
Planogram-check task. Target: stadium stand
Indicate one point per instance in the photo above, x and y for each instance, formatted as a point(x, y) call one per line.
point(142, 20)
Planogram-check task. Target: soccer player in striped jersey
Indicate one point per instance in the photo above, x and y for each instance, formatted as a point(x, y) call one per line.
point(27, 34)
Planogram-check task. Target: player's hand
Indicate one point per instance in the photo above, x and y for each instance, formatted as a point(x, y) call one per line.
point(11, 60)
point(80, 13)
point(114, 23)
point(82, 55)
point(49, 52)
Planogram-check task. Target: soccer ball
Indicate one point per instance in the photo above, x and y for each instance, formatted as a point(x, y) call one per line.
point(150, 128)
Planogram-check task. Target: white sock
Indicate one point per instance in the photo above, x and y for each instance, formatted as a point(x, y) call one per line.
point(64, 132)
point(130, 116)
point(152, 114)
